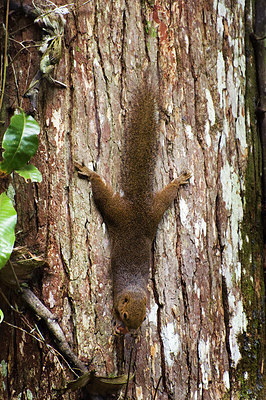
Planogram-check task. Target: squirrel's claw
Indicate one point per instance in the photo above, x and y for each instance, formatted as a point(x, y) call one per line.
point(120, 329)
point(183, 178)
point(83, 171)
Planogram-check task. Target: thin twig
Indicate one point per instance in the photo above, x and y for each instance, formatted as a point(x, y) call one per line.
point(5, 58)
point(23, 28)
point(33, 46)
point(128, 375)
point(55, 352)
point(16, 82)
point(157, 387)
point(23, 330)
point(8, 302)
point(70, 5)
point(14, 274)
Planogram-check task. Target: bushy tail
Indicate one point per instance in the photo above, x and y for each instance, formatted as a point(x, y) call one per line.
point(140, 146)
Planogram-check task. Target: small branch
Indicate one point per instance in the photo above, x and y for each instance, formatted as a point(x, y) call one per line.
point(38, 307)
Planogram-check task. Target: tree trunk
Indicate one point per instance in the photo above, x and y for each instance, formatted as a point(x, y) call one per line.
point(203, 331)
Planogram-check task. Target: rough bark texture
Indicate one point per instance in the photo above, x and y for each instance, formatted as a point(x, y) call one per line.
point(203, 329)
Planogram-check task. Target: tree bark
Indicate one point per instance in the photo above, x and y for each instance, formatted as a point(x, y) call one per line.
point(203, 331)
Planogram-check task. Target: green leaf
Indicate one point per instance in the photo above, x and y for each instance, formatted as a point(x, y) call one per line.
point(20, 142)
point(8, 220)
point(1, 316)
point(99, 384)
point(30, 172)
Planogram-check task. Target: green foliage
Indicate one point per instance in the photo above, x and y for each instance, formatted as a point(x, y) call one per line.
point(8, 220)
point(20, 143)
point(1, 316)
point(30, 172)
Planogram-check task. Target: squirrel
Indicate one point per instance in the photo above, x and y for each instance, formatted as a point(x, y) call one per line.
point(133, 217)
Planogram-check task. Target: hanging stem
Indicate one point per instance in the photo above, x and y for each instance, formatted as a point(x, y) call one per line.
point(5, 58)
point(157, 387)
point(128, 375)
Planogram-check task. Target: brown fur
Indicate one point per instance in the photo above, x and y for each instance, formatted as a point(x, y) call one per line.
point(132, 219)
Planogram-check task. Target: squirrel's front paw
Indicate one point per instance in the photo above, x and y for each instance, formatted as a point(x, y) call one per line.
point(82, 170)
point(184, 178)
point(120, 329)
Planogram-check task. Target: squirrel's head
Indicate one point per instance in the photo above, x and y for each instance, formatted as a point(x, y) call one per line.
point(131, 306)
